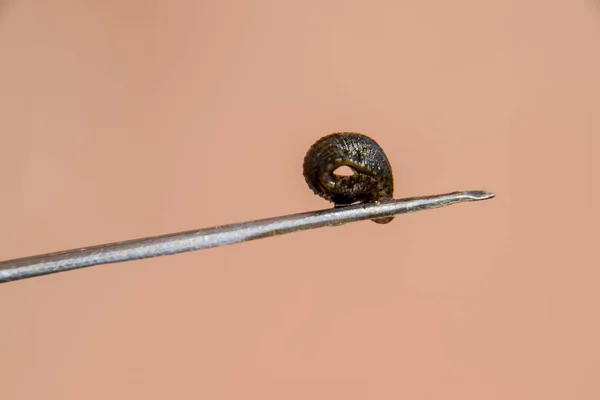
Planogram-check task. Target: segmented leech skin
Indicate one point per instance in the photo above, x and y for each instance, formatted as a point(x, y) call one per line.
point(371, 182)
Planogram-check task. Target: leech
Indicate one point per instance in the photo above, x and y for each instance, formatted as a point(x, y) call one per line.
point(371, 182)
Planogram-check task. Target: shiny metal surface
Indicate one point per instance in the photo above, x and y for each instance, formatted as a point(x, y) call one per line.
point(163, 245)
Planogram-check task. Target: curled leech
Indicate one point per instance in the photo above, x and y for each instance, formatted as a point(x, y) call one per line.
point(372, 180)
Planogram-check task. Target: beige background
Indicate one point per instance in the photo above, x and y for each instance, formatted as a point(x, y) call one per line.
point(124, 119)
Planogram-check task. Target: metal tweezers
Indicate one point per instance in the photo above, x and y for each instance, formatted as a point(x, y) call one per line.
point(137, 249)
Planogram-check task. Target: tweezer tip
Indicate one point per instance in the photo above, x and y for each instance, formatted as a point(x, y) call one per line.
point(480, 195)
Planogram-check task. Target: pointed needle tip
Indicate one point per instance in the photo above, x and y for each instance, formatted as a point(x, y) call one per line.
point(481, 195)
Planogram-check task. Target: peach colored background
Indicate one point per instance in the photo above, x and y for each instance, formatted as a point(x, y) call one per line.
point(124, 119)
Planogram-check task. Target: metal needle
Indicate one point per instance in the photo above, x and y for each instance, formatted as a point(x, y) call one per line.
point(175, 243)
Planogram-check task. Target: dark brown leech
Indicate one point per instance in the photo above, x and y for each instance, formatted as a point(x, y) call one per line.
point(372, 181)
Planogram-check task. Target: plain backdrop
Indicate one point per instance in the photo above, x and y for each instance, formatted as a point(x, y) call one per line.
point(126, 118)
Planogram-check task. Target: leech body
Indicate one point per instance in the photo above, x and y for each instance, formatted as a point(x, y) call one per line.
point(372, 181)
